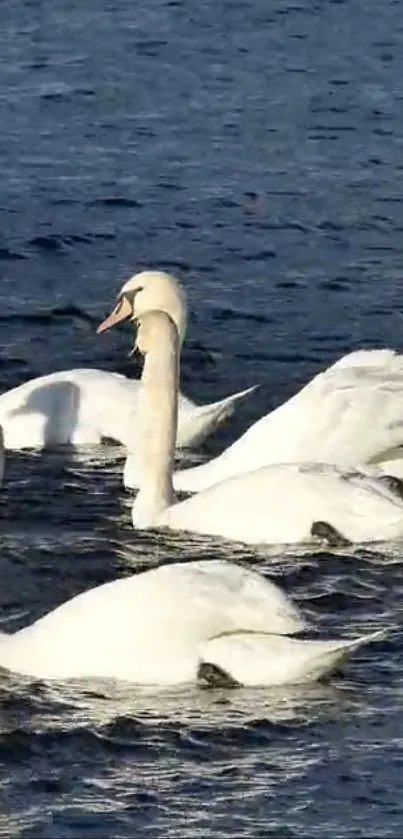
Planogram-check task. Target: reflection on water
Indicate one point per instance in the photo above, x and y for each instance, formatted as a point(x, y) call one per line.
point(102, 704)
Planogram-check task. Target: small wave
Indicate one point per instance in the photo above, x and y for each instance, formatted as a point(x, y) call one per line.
point(12, 256)
point(115, 201)
point(53, 242)
point(225, 314)
point(47, 316)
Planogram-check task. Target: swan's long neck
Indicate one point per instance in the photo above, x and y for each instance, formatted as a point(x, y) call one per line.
point(158, 419)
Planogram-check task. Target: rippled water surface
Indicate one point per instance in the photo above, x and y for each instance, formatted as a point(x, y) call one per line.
point(255, 150)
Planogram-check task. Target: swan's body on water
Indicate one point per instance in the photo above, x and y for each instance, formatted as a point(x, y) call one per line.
point(256, 659)
point(160, 626)
point(277, 504)
point(280, 504)
point(82, 407)
point(351, 414)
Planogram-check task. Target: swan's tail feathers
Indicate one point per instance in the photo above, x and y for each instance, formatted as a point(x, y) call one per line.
point(260, 659)
point(207, 418)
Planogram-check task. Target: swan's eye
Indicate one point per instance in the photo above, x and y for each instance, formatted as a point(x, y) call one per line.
point(130, 295)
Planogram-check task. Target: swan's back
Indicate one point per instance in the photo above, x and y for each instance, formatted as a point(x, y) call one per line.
point(327, 421)
point(136, 628)
point(278, 504)
point(71, 406)
point(82, 406)
point(348, 415)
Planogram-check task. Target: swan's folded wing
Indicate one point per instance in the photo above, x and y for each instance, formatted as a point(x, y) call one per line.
point(199, 421)
point(351, 413)
point(259, 659)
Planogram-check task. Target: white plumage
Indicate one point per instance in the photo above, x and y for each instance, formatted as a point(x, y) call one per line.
point(351, 414)
point(84, 406)
point(159, 627)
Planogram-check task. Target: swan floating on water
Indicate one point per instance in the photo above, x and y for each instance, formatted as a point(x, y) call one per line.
point(278, 504)
point(84, 406)
point(350, 414)
point(207, 619)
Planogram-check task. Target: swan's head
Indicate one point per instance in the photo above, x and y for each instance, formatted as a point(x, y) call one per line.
point(146, 291)
point(155, 329)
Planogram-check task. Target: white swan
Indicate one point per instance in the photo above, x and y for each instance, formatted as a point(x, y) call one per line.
point(351, 414)
point(282, 503)
point(167, 625)
point(84, 406)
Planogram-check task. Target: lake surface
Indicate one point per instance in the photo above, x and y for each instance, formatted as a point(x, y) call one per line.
point(256, 151)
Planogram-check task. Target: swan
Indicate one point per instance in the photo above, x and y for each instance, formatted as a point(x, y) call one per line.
point(350, 414)
point(84, 406)
point(169, 625)
point(277, 504)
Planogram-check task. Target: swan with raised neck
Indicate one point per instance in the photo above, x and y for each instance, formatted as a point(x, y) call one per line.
point(82, 407)
point(158, 341)
point(158, 290)
point(147, 291)
point(279, 504)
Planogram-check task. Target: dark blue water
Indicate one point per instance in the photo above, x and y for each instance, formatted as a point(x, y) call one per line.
point(255, 150)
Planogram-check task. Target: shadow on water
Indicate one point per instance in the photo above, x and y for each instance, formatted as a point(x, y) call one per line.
point(49, 417)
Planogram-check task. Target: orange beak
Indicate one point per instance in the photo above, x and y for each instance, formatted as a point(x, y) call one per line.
point(122, 311)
